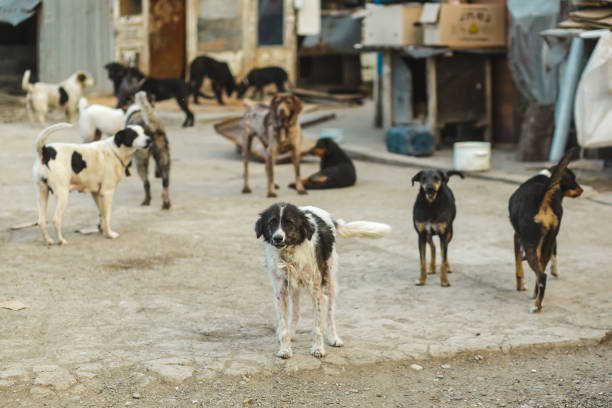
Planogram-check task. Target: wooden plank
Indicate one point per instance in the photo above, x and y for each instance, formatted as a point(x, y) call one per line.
point(488, 133)
point(432, 100)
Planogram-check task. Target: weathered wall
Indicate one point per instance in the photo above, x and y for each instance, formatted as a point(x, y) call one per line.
point(76, 35)
point(227, 30)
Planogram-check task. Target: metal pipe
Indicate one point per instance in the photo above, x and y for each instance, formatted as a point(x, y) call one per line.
point(565, 105)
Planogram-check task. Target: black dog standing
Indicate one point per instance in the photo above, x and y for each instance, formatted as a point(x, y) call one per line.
point(219, 74)
point(433, 214)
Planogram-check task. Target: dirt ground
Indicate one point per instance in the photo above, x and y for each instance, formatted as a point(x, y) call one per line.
point(181, 298)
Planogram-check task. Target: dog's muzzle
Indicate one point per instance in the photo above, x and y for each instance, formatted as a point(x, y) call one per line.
point(148, 144)
point(278, 241)
point(430, 194)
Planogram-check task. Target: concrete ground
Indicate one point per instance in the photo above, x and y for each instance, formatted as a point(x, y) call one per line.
point(182, 294)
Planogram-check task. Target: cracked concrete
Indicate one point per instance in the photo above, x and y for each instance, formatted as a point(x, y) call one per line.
point(183, 294)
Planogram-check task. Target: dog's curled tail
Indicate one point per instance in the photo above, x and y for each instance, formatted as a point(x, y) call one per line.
point(555, 179)
point(25, 81)
point(362, 229)
point(83, 104)
point(148, 113)
point(44, 134)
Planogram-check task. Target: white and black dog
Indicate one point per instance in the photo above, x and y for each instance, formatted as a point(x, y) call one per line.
point(64, 96)
point(95, 167)
point(96, 121)
point(300, 252)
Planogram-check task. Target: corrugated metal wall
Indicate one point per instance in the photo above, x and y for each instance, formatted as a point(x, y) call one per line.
point(76, 34)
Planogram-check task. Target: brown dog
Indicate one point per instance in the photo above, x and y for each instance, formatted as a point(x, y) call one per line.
point(278, 129)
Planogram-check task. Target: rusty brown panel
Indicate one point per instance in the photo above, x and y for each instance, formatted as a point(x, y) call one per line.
point(166, 38)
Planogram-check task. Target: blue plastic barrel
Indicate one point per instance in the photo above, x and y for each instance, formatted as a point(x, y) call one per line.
point(410, 140)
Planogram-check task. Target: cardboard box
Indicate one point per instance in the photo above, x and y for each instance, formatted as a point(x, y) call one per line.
point(392, 25)
point(464, 25)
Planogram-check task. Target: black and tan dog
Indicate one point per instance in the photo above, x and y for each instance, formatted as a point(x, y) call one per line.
point(337, 169)
point(535, 213)
point(278, 129)
point(433, 214)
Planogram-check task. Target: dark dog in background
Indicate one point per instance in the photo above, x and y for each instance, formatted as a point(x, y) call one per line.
point(157, 89)
point(278, 129)
point(125, 82)
point(142, 114)
point(337, 169)
point(219, 74)
point(433, 214)
point(535, 213)
point(260, 77)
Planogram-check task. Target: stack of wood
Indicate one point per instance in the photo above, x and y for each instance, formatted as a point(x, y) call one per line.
point(589, 15)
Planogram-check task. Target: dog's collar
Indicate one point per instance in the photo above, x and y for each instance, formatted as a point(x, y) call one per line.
point(119, 158)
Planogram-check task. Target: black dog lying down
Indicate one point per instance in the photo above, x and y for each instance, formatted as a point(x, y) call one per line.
point(219, 74)
point(433, 214)
point(535, 213)
point(260, 77)
point(337, 169)
point(157, 89)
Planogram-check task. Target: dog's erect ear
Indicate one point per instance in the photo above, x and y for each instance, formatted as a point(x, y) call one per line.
point(416, 177)
point(454, 173)
point(259, 227)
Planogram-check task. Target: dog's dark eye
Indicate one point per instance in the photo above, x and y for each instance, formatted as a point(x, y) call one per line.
point(272, 221)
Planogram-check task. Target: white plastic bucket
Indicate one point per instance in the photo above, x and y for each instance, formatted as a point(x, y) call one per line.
point(472, 156)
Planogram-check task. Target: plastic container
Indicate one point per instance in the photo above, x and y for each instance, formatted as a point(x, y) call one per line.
point(336, 134)
point(410, 140)
point(472, 156)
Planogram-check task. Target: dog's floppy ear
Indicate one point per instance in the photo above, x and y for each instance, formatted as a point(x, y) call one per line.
point(416, 177)
point(298, 106)
point(274, 103)
point(307, 228)
point(259, 227)
point(125, 137)
point(81, 77)
point(454, 173)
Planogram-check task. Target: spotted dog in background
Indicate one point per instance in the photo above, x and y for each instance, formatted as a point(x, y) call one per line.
point(535, 213)
point(278, 129)
point(63, 96)
point(300, 253)
point(142, 114)
point(433, 214)
point(94, 168)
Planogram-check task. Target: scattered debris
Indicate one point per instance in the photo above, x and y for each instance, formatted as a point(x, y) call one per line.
point(13, 305)
point(136, 395)
point(416, 367)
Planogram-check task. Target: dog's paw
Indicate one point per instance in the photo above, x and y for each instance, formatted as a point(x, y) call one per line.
point(445, 284)
point(112, 235)
point(535, 309)
point(449, 271)
point(145, 203)
point(284, 353)
point(166, 205)
point(49, 242)
point(246, 190)
point(431, 272)
point(62, 241)
point(318, 351)
point(521, 288)
point(336, 342)
point(272, 195)
point(302, 192)
point(419, 283)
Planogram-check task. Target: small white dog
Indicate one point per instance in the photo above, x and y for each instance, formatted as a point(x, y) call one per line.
point(300, 250)
point(64, 96)
point(96, 121)
point(93, 167)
